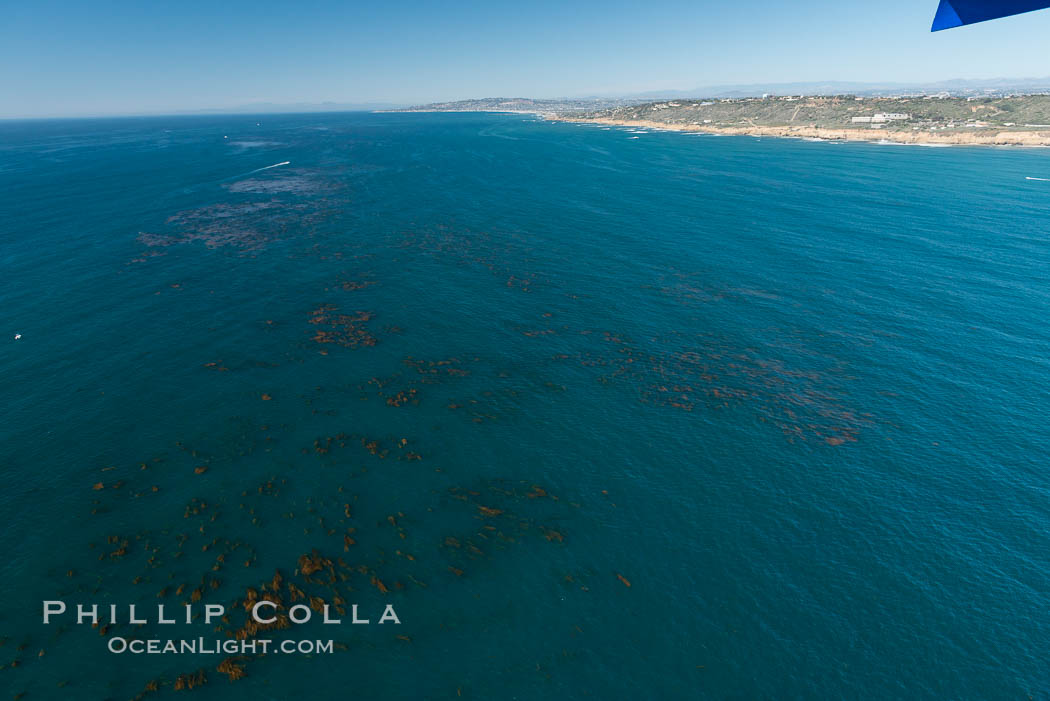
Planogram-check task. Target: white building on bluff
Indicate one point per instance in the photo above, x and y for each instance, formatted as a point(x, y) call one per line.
point(881, 117)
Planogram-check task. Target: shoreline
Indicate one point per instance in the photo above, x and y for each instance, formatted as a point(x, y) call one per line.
point(921, 138)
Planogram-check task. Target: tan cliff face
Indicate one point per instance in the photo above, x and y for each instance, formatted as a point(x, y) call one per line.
point(986, 137)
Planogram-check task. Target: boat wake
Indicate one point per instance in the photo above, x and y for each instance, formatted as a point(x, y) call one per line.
point(241, 175)
point(282, 163)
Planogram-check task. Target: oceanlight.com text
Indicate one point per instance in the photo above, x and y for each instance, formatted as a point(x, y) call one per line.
point(202, 646)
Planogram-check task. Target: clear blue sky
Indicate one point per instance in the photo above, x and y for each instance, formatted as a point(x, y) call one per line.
point(71, 57)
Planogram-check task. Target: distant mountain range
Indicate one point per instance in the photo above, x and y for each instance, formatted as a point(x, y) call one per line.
point(523, 104)
point(992, 87)
point(956, 87)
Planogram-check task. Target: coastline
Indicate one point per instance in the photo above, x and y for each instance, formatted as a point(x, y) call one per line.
point(423, 111)
point(921, 138)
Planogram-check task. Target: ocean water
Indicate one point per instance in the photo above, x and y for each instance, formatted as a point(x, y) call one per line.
point(603, 417)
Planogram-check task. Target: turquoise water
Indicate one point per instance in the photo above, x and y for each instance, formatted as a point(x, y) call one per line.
point(794, 394)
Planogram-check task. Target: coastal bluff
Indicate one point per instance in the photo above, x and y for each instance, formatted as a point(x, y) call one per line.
point(933, 120)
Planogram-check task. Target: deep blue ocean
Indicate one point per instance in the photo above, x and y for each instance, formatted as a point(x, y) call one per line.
point(602, 417)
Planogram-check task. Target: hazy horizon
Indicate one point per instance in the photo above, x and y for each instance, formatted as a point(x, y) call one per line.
point(129, 60)
point(844, 87)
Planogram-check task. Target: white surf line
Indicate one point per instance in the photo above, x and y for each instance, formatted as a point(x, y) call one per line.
point(1045, 180)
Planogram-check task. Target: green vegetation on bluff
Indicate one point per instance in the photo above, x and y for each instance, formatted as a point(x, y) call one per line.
point(842, 111)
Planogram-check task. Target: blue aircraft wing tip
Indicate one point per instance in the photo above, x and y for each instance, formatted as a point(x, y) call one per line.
point(946, 17)
point(956, 13)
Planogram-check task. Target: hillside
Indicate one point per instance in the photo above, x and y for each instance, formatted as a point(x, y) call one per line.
point(922, 113)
